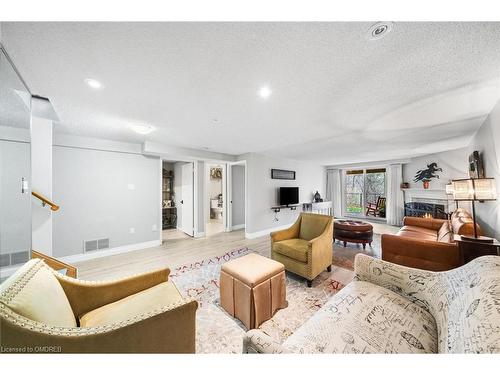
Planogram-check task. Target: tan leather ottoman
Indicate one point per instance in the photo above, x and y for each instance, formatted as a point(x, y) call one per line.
point(252, 289)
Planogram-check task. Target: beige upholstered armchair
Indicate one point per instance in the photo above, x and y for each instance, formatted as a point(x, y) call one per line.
point(44, 311)
point(306, 247)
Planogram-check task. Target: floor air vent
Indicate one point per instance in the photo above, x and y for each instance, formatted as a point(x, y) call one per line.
point(14, 258)
point(103, 243)
point(92, 245)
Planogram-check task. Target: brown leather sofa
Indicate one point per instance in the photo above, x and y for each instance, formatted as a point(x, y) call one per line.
point(428, 243)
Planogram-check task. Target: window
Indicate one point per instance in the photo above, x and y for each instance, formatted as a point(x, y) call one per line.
point(362, 186)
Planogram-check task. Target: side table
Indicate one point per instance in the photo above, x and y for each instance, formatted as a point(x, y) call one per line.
point(470, 250)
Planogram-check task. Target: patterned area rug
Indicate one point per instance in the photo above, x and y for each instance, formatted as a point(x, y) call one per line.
point(344, 256)
point(218, 332)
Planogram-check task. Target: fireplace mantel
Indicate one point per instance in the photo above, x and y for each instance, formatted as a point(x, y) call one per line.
point(437, 196)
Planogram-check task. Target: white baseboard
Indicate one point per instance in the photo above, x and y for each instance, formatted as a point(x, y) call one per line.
point(237, 227)
point(266, 232)
point(113, 251)
point(199, 235)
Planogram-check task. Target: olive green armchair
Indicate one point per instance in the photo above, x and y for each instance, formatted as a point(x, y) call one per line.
point(306, 247)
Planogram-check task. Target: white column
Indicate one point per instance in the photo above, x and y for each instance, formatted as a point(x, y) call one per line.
point(41, 182)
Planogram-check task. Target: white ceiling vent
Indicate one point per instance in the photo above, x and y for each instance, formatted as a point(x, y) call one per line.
point(379, 30)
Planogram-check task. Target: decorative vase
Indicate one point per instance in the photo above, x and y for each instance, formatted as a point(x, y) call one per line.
point(317, 197)
point(426, 184)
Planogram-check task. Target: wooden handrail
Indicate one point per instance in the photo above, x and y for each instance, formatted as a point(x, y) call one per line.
point(55, 264)
point(53, 206)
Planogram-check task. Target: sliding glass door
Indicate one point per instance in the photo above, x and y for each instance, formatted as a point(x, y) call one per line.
point(354, 187)
point(364, 189)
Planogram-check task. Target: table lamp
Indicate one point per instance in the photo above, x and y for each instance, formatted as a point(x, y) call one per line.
point(475, 189)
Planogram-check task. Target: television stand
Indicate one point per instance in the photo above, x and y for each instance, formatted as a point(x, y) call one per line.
point(292, 207)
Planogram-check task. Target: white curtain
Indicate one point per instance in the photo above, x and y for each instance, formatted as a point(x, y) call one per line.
point(334, 190)
point(395, 203)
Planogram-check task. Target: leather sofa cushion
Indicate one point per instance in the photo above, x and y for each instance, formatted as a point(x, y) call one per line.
point(35, 293)
point(462, 225)
point(366, 318)
point(417, 235)
point(312, 226)
point(146, 301)
point(295, 248)
point(412, 228)
point(445, 233)
point(252, 269)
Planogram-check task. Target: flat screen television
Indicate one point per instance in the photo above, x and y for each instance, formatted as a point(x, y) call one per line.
point(288, 196)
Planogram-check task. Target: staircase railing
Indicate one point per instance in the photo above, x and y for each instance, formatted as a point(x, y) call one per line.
point(45, 201)
point(55, 264)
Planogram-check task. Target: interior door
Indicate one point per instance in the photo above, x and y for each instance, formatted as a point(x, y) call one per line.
point(237, 206)
point(187, 198)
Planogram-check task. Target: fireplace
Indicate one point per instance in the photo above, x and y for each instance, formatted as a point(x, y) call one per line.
point(429, 210)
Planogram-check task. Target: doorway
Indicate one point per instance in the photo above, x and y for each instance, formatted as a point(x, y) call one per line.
point(215, 217)
point(363, 187)
point(177, 205)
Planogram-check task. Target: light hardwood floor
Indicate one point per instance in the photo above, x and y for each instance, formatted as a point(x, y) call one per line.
point(178, 249)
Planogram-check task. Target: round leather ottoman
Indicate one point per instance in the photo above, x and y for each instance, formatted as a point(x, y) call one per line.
point(353, 231)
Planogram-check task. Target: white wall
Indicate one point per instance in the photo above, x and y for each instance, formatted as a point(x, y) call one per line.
point(454, 164)
point(41, 182)
point(103, 194)
point(487, 142)
point(262, 190)
point(15, 218)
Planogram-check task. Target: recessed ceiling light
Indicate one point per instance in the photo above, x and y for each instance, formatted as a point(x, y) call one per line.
point(379, 30)
point(142, 129)
point(265, 92)
point(93, 83)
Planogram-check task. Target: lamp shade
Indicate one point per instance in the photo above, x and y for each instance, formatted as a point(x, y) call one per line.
point(485, 189)
point(463, 190)
point(478, 189)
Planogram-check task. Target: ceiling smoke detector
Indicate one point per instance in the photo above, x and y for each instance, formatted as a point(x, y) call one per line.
point(379, 30)
point(93, 83)
point(142, 129)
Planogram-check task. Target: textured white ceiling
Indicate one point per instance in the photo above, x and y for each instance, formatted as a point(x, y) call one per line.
point(337, 97)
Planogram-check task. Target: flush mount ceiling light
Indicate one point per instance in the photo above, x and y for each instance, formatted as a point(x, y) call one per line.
point(142, 129)
point(265, 92)
point(379, 30)
point(94, 84)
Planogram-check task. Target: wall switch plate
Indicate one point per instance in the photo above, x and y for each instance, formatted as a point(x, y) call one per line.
point(131, 186)
point(154, 228)
point(132, 230)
